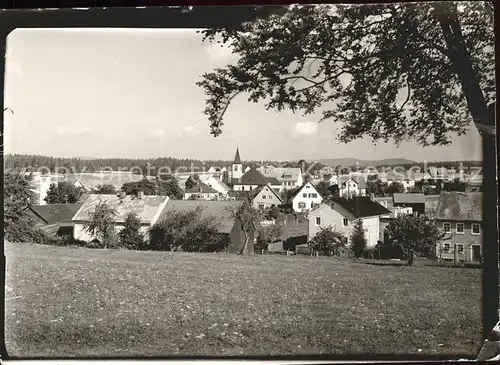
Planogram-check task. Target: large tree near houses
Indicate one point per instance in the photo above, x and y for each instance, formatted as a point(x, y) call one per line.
point(401, 71)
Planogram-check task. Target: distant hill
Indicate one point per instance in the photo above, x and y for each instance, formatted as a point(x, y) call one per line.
point(364, 163)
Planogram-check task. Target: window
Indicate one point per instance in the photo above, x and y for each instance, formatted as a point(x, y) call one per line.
point(447, 227)
point(263, 197)
point(345, 222)
point(304, 195)
point(312, 204)
point(302, 205)
point(460, 247)
point(446, 247)
point(332, 206)
point(313, 195)
point(318, 221)
point(261, 206)
point(345, 241)
point(476, 228)
point(460, 228)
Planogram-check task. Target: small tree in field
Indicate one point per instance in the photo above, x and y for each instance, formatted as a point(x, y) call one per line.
point(327, 240)
point(269, 235)
point(131, 236)
point(415, 234)
point(101, 224)
point(358, 239)
point(249, 218)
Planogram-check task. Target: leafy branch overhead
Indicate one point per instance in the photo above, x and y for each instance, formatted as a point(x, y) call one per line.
point(388, 71)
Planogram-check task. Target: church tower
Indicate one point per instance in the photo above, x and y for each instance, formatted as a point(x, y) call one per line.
point(237, 169)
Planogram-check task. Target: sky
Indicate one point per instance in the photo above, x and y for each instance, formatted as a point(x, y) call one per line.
point(132, 93)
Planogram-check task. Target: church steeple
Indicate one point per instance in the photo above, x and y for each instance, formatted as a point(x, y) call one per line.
point(237, 157)
point(237, 168)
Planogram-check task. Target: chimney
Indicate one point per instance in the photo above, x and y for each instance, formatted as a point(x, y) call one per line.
point(140, 194)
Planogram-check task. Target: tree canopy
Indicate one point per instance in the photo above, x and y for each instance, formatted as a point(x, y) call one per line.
point(388, 71)
point(414, 234)
point(63, 193)
point(17, 196)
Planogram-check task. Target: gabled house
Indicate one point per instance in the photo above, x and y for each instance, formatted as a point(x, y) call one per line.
point(265, 197)
point(147, 207)
point(287, 178)
point(251, 180)
point(201, 191)
point(306, 198)
point(459, 215)
point(55, 219)
point(352, 185)
point(410, 200)
point(341, 213)
point(228, 226)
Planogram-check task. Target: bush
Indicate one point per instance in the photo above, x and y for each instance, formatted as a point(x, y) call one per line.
point(191, 231)
point(130, 236)
point(368, 253)
point(358, 239)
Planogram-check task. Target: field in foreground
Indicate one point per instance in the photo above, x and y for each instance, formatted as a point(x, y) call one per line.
point(66, 302)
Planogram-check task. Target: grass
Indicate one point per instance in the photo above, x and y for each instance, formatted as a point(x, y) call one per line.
point(77, 302)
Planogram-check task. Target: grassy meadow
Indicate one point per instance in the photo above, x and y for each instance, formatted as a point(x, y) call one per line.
point(78, 302)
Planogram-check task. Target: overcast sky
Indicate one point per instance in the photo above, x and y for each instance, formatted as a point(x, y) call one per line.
point(132, 93)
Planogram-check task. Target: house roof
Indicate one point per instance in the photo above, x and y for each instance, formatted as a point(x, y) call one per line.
point(409, 198)
point(458, 206)
point(359, 206)
point(146, 207)
point(251, 177)
point(237, 158)
point(56, 213)
point(220, 209)
point(201, 188)
point(281, 173)
point(240, 195)
point(212, 181)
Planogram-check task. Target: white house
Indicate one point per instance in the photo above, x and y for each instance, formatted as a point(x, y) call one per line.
point(288, 177)
point(341, 214)
point(306, 198)
point(147, 207)
point(352, 185)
